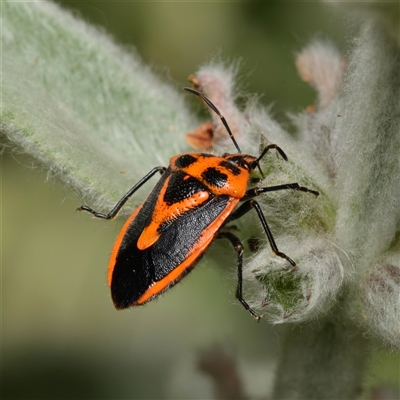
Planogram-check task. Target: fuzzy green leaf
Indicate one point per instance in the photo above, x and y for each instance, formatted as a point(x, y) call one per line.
point(89, 111)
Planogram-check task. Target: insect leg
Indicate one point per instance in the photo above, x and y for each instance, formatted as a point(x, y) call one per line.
point(113, 213)
point(247, 206)
point(238, 246)
point(265, 151)
point(272, 146)
point(294, 186)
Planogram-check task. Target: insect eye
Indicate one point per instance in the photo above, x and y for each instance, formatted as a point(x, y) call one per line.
point(244, 164)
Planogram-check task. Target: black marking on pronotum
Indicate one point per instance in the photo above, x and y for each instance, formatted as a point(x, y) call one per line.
point(214, 177)
point(185, 160)
point(232, 168)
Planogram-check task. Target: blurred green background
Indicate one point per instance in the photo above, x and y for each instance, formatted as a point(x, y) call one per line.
point(61, 336)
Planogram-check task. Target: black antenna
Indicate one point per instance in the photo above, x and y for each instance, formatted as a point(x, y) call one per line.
point(215, 109)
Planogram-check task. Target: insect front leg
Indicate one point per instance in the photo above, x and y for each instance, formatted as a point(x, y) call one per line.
point(114, 212)
point(252, 204)
point(238, 246)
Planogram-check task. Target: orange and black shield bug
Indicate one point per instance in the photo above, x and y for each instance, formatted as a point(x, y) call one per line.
point(196, 196)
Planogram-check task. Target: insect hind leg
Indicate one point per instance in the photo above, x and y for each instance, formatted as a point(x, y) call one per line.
point(238, 246)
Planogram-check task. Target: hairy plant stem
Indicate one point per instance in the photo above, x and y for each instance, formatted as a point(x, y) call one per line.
point(321, 360)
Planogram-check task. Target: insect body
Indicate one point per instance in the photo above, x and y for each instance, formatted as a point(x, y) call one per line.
point(196, 196)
